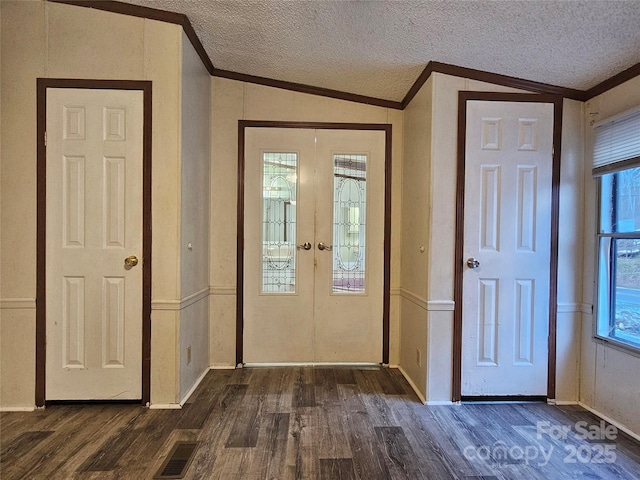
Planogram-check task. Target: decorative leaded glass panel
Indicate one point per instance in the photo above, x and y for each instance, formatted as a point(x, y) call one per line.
point(349, 223)
point(279, 185)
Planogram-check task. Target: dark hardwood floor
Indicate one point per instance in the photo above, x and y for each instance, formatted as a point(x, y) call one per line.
point(315, 423)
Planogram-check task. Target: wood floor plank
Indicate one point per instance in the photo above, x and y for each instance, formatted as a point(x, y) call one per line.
point(331, 433)
point(375, 403)
point(336, 469)
point(368, 458)
point(309, 423)
point(216, 431)
point(437, 454)
point(390, 384)
point(117, 422)
point(399, 456)
point(114, 446)
point(148, 450)
point(247, 425)
point(301, 460)
point(461, 436)
point(69, 438)
point(196, 411)
point(345, 376)
point(276, 444)
point(304, 394)
point(12, 451)
point(326, 391)
point(364, 445)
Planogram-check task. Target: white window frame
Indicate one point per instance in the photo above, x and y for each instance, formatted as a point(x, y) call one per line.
point(616, 149)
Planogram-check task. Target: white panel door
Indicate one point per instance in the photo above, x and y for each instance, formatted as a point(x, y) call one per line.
point(507, 224)
point(314, 245)
point(94, 222)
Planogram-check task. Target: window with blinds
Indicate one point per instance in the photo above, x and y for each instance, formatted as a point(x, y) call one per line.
point(617, 143)
point(616, 164)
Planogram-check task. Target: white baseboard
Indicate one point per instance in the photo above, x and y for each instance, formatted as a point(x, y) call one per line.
point(193, 388)
point(441, 402)
point(567, 402)
point(314, 364)
point(222, 367)
point(615, 423)
point(178, 406)
point(165, 406)
point(413, 385)
point(18, 409)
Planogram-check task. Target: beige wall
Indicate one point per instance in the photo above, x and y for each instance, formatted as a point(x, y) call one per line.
point(53, 40)
point(195, 139)
point(416, 194)
point(233, 101)
point(427, 278)
point(609, 383)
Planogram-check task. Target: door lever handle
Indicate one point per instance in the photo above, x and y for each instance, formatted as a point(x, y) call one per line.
point(323, 246)
point(304, 246)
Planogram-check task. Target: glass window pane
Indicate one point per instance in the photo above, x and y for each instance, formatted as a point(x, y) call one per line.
point(625, 294)
point(279, 187)
point(349, 223)
point(620, 202)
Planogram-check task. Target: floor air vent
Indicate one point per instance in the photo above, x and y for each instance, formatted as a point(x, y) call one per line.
point(178, 460)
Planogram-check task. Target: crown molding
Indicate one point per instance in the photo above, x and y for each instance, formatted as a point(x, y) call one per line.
point(613, 82)
point(303, 88)
point(431, 67)
point(489, 77)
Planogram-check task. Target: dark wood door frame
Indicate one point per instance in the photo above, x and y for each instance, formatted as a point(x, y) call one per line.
point(244, 124)
point(463, 98)
point(41, 321)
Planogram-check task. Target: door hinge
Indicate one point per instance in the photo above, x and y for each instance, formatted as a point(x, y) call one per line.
point(45, 139)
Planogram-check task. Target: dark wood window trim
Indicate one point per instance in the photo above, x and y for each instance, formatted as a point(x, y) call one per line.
point(386, 304)
point(556, 100)
point(41, 323)
point(448, 69)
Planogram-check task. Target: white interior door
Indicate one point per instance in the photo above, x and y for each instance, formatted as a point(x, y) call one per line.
point(314, 245)
point(507, 224)
point(94, 222)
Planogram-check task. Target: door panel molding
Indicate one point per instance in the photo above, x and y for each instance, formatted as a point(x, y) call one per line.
point(41, 326)
point(242, 125)
point(463, 98)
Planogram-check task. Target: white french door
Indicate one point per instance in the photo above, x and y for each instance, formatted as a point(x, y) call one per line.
point(314, 245)
point(507, 238)
point(94, 244)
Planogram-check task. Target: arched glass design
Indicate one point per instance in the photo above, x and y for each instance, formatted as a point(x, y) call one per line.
point(349, 223)
point(279, 186)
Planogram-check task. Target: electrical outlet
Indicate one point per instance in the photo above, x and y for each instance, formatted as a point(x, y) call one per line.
point(188, 354)
point(418, 357)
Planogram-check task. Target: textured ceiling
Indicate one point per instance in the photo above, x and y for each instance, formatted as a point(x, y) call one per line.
point(378, 48)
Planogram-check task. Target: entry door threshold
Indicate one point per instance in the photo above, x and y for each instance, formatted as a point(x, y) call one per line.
point(315, 364)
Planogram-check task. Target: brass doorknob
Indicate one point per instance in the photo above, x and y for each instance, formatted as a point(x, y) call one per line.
point(131, 261)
